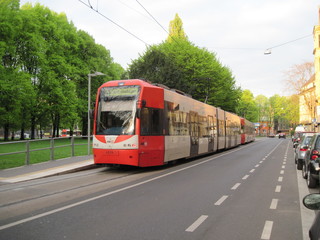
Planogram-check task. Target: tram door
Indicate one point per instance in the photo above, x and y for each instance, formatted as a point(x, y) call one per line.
point(194, 133)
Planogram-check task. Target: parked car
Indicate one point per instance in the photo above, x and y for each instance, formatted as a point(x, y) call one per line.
point(312, 201)
point(311, 167)
point(297, 137)
point(301, 149)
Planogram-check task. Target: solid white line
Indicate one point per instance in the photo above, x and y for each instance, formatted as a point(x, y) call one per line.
point(274, 204)
point(245, 177)
point(278, 188)
point(280, 179)
point(112, 192)
point(235, 186)
point(252, 170)
point(197, 223)
point(267, 230)
point(221, 200)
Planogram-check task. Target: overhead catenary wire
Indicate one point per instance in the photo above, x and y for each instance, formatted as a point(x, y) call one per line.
point(152, 17)
point(268, 50)
point(124, 29)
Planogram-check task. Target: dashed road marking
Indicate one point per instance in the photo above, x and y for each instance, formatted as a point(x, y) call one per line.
point(267, 229)
point(257, 165)
point(252, 170)
point(274, 204)
point(278, 188)
point(280, 179)
point(245, 177)
point(221, 200)
point(235, 186)
point(197, 223)
point(282, 172)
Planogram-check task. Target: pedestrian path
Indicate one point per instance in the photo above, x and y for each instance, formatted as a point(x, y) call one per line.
point(45, 169)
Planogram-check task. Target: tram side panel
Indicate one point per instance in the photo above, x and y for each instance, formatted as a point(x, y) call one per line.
point(177, 129)
point(151, 139)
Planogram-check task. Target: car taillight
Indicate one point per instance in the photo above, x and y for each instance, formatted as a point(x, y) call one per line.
point(315, 152)
point(303, 149)
point(314, 157)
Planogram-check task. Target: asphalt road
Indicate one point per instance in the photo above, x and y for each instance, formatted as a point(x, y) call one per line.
point(249, 192)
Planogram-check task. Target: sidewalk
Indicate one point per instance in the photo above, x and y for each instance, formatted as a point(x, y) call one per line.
point(45, 169)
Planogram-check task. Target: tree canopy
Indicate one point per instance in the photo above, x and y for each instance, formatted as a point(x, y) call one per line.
point(45, 62)
point(181, 65)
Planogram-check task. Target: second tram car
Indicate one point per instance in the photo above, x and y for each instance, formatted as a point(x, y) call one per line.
point(140, 124)
point(247, 131)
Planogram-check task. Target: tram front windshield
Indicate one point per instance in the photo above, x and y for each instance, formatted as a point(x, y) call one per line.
point(117, 110)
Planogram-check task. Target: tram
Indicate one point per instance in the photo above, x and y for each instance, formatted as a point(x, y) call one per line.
point(248, 131)
point(142, 124)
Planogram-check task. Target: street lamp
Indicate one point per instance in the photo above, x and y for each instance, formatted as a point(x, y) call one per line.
point(89, 103)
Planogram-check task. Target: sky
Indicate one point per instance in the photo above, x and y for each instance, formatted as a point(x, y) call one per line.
point(237, 31)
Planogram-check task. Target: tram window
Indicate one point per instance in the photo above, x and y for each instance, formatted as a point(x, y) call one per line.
point(151, 122)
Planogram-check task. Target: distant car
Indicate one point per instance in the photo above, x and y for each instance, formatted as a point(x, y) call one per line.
point(312, 201)
point(301, 149)
point(282, 135)
point(311, 167)
point(271, 135)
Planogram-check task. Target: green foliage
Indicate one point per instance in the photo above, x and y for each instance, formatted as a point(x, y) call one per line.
point(176, 30)
point(181, 65)
point(45, 62)
point(247, 106)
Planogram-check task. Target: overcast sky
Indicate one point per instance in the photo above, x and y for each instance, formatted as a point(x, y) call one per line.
point(238, 31)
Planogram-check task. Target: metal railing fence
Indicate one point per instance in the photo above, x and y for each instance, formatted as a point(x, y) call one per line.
point(25, 147)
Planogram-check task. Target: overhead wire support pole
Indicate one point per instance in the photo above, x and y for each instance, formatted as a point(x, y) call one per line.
point(90, 6)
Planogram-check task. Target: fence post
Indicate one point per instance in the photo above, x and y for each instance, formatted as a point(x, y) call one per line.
point(52, 149)
point(72, 146)
point(27, 161)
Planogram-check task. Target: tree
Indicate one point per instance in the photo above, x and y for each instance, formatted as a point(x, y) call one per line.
point(247, 106)
point(298, 75)
point(176, 30)
point(45, 62)
point(196, 71)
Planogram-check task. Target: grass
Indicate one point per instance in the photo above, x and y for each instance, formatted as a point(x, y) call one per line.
point(62, 149)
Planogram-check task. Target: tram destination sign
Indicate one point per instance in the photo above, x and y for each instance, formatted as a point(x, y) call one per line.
point(122, 91)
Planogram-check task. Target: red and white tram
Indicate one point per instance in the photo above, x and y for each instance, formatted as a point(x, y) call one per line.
point(141, 124)
point(247, 131)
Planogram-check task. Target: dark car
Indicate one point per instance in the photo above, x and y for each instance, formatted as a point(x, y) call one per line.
point(301, 149)
point(282, 135)
point(311, 167)
point(312, 201)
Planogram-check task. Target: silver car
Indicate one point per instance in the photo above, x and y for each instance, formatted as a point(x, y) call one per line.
point(300, 150)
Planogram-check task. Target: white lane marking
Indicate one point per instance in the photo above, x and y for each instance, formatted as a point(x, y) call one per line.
point(197, 223)
point(235, 186)
point(274, 204)
point(118, 190)
point(278, 188)
point(257, 165)
point(283, 166)
point(280, 179)
point(245, 177)
point(261, 162)
point(252, 170)
point(282, 172)
point(221, 200)
point(267, 229)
